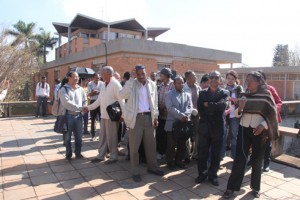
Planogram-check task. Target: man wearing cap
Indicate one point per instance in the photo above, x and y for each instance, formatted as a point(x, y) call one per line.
point(211, 104)
point(140, 115)
point(165, 86)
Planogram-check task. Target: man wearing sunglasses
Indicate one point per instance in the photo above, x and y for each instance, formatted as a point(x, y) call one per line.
point(211, 105)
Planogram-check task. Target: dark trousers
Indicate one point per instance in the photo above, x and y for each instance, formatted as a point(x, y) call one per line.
point(210, 139)
point(245, 139)
point(176, 150)
point(41, 101)
point(267, 156)
point(94, 114)
point(161, 137)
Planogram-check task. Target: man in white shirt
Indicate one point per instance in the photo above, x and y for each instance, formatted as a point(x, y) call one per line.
point(42, 92)
point(108, 139)
point(141, 116)
point(94, 88)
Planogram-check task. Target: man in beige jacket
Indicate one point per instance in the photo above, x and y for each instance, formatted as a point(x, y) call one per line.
point(140, 115)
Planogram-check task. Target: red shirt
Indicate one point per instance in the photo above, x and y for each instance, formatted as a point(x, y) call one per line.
point(277, 101)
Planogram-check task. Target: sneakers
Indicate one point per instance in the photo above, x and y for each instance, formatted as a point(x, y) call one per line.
point(255, 194)
point(95, 160)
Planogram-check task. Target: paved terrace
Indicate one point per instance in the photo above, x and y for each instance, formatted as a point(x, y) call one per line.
point(33, 167)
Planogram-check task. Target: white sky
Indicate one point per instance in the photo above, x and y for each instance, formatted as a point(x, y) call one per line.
point(250, 27)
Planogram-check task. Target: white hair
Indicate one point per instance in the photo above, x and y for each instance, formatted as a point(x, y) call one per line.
point(109, 70)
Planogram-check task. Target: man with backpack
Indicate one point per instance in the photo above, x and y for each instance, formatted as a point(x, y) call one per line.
point(42, 92)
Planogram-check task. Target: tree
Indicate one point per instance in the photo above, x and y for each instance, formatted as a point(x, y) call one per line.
point(18, 64)
point(45, 41)
point(294, 56)
point(281, 56)
point(23, 34)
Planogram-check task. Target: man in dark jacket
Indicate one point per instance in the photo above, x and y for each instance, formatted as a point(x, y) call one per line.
point(211, 105)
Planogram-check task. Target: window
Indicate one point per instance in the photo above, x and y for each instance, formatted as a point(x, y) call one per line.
point(292, 77)
point(160, 66)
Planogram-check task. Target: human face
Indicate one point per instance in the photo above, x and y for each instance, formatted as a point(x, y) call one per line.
point(105, 75)
point(204, 85)
point(141, 75)
point(96, 78)
point(252, 83)
point(192, 79)
point(44, 79)
point(214, 81)
point(153, 76)
point(73, 80)
point(162, 77)
point(178, 84)
point(230, 80)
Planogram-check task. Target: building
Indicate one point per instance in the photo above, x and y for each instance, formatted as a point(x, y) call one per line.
point(286, 80)
point(123, 44)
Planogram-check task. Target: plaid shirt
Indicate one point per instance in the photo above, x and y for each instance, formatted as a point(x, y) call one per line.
point(163, 89)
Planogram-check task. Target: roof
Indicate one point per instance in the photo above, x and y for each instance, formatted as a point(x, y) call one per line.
point(269, 70)
point(86, 22)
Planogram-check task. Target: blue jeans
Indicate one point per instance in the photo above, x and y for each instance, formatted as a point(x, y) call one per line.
point(75, 127)
point(233, 132)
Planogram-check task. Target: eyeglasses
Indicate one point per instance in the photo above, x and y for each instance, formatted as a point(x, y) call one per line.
point(214, 77)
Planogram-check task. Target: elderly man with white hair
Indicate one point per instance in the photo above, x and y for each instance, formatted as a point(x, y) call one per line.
point(109, 93)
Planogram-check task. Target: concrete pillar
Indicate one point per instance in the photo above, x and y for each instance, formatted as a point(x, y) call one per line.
point(284, 92)
point(59, 47)
point(69, 40)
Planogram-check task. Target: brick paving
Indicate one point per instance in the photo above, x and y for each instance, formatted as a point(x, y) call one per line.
point(33, 167)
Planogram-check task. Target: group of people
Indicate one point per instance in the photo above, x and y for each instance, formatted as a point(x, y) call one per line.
point(223, 117)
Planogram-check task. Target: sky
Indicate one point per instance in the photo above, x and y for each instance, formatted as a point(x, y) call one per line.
point(250, 27)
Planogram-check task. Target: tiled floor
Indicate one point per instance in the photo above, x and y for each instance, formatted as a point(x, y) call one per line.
point(33, 167)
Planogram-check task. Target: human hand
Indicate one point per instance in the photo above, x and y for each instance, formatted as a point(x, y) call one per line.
point(85, 109)
point(184, 119)
point(155, 123)
point(242, 102)
point(258, 130)
point(205, 104)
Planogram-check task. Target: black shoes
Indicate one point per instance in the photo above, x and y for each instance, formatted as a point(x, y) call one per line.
point(214, 181)
point(156, 172)
point(201, 178)
point(171, 166)
point(95, 160)
point(69, 157)
point(228, 194)
point(79, 156)
point(109, 162)
point(137, 178)
point(255, 194)
point(181, 165)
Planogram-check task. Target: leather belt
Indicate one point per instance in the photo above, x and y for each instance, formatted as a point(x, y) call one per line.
point(144, 113)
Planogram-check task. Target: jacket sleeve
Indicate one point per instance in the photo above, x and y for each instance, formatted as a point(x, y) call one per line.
point(171, 108)
point(121, 101)
point(220, 105)
point(200, 102)
point(96, 103)
point(125, 92)
point(276, 98)
point(154, 88)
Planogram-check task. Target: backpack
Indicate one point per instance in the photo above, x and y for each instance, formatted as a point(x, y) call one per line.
point(57, 109)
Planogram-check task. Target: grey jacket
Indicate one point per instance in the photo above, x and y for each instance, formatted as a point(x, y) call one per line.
point(176, 107)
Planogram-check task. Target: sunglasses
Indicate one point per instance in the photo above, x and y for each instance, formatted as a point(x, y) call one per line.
point(214, 77)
